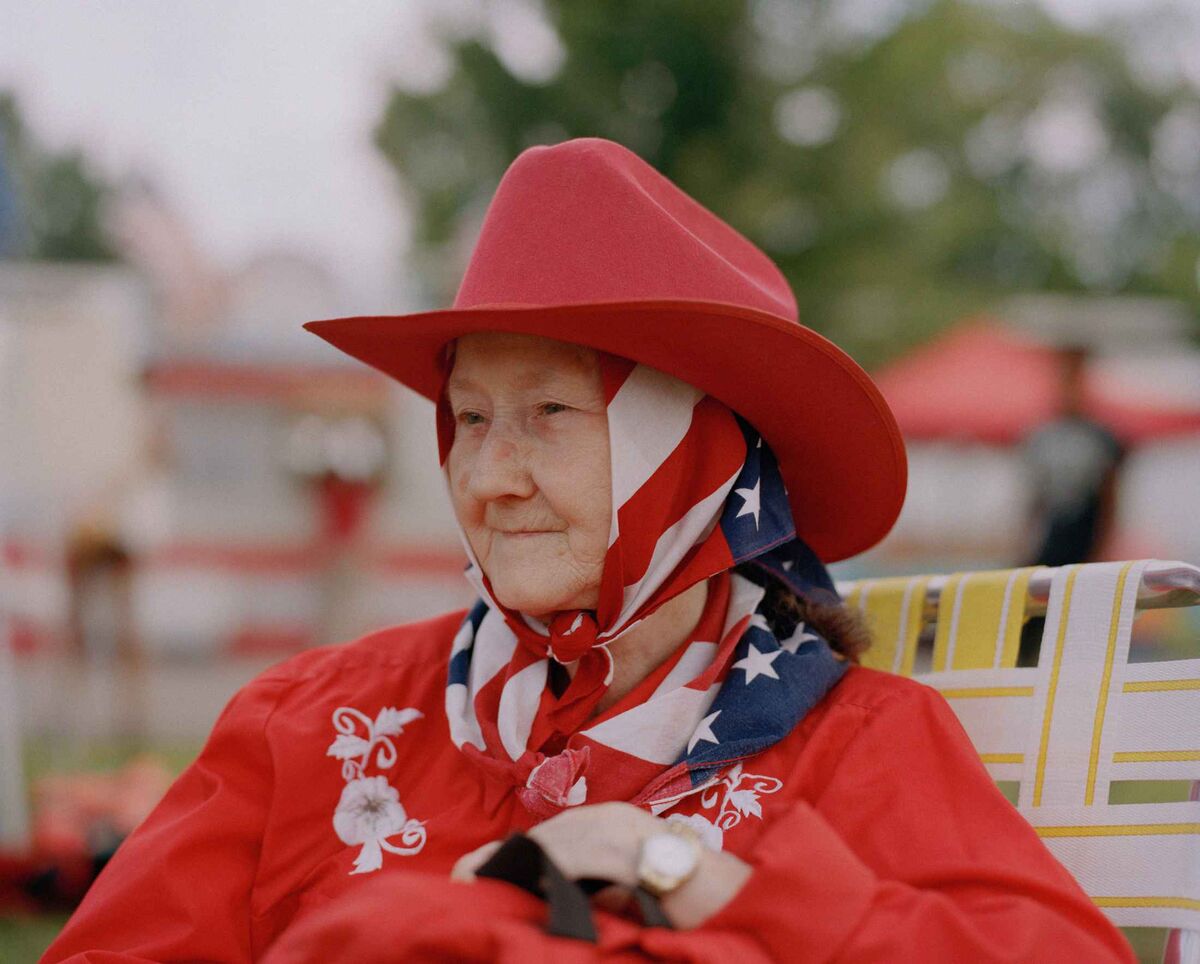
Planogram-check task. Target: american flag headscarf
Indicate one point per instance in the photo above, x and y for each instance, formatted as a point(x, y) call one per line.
point(695, 491)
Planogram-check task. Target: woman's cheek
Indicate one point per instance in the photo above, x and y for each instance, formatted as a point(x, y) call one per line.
point(458, 470)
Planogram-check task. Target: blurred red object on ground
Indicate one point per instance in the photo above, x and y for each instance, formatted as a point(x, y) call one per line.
point(68, 808)
point(78, 821)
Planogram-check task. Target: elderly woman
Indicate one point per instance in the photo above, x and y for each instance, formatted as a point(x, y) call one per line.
point(648, 458)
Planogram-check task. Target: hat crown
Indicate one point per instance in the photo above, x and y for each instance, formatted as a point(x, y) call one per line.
point(587, 220)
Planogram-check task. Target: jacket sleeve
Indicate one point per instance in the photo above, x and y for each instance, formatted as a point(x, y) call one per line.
point(179, 886)
point(912, 853)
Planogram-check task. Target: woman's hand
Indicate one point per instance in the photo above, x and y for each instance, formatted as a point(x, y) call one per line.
point(604, 840)
point(601, 840)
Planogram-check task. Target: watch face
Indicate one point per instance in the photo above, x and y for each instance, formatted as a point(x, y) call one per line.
point(670, 855)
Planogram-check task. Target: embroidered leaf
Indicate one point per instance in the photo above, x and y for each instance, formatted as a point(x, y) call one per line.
point(347, 746)
point(369, 858)
point(746, 802)
point(391, 720)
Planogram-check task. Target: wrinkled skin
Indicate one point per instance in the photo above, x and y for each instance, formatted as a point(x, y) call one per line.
point(531, 452)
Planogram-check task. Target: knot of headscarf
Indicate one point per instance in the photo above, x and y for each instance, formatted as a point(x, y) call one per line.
point(706, 494)
point(572, 633)
point(571, 640)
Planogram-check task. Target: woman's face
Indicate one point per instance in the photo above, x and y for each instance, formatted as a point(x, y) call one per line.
point(529, 468)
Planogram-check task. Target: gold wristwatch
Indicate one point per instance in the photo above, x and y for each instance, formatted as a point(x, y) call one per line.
point(668, 858)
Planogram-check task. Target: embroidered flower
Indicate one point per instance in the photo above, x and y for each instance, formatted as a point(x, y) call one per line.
point(556, 783)
point(369, 811)
point(370, 808)
point(738, 793)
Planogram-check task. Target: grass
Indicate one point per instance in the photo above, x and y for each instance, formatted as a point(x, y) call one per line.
point(45, 755)
point(1147, 942)
point(23, 939)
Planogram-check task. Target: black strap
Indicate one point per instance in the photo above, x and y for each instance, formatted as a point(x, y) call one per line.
point(520, 860)
point(647, 904)
point(652, 912)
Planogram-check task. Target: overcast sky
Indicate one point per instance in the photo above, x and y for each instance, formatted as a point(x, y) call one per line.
point(254, 117)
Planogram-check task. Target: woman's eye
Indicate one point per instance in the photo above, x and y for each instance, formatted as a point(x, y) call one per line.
point(552, 408)
point(470, 418)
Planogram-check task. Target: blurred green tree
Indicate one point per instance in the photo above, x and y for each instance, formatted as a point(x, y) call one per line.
point(51, 204)
point(902, 172)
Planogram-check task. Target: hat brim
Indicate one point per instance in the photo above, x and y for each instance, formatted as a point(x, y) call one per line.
point(839, 449)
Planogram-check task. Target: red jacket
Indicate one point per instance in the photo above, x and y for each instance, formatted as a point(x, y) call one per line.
point(875, 832)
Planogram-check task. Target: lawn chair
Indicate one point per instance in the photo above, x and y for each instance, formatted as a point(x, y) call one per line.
point(1074, 727)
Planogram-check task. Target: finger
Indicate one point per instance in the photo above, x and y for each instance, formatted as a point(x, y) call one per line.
point(470, 862)
point(464, 867)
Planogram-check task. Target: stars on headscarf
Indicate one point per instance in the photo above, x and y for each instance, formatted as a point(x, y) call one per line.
point(756, 663)
point(751, 504)
point(799, 636)
point(704, 731)
point(759, 621)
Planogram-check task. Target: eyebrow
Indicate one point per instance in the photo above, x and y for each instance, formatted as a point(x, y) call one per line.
point(534, 379)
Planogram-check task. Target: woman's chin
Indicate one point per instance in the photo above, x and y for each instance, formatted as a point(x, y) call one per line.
point(534, 600)
point(531, 604)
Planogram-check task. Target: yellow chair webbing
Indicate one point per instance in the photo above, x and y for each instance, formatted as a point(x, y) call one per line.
point(893, 611)
point(979, 622)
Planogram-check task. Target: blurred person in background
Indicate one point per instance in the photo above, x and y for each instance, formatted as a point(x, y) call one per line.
point(656, 697)
point(1074, 464)
point(101, 629)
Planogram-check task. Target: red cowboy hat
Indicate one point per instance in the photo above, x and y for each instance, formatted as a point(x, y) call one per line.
point(585, 242)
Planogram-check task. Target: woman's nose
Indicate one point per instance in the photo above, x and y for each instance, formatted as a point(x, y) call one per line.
point(500, 467)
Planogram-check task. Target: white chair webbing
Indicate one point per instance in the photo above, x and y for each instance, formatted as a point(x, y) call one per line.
point(1082, 718)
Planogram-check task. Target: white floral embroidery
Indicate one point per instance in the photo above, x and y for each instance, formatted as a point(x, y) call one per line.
point(739, 793)
point(370, 811)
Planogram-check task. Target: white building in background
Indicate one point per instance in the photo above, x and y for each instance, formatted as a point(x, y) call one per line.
point(153, 406)
point(71, 412)
point(177, 415)
point(249, 420)
point(71, 418)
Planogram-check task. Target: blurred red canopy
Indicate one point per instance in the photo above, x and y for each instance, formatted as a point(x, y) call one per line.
point(987, 382)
